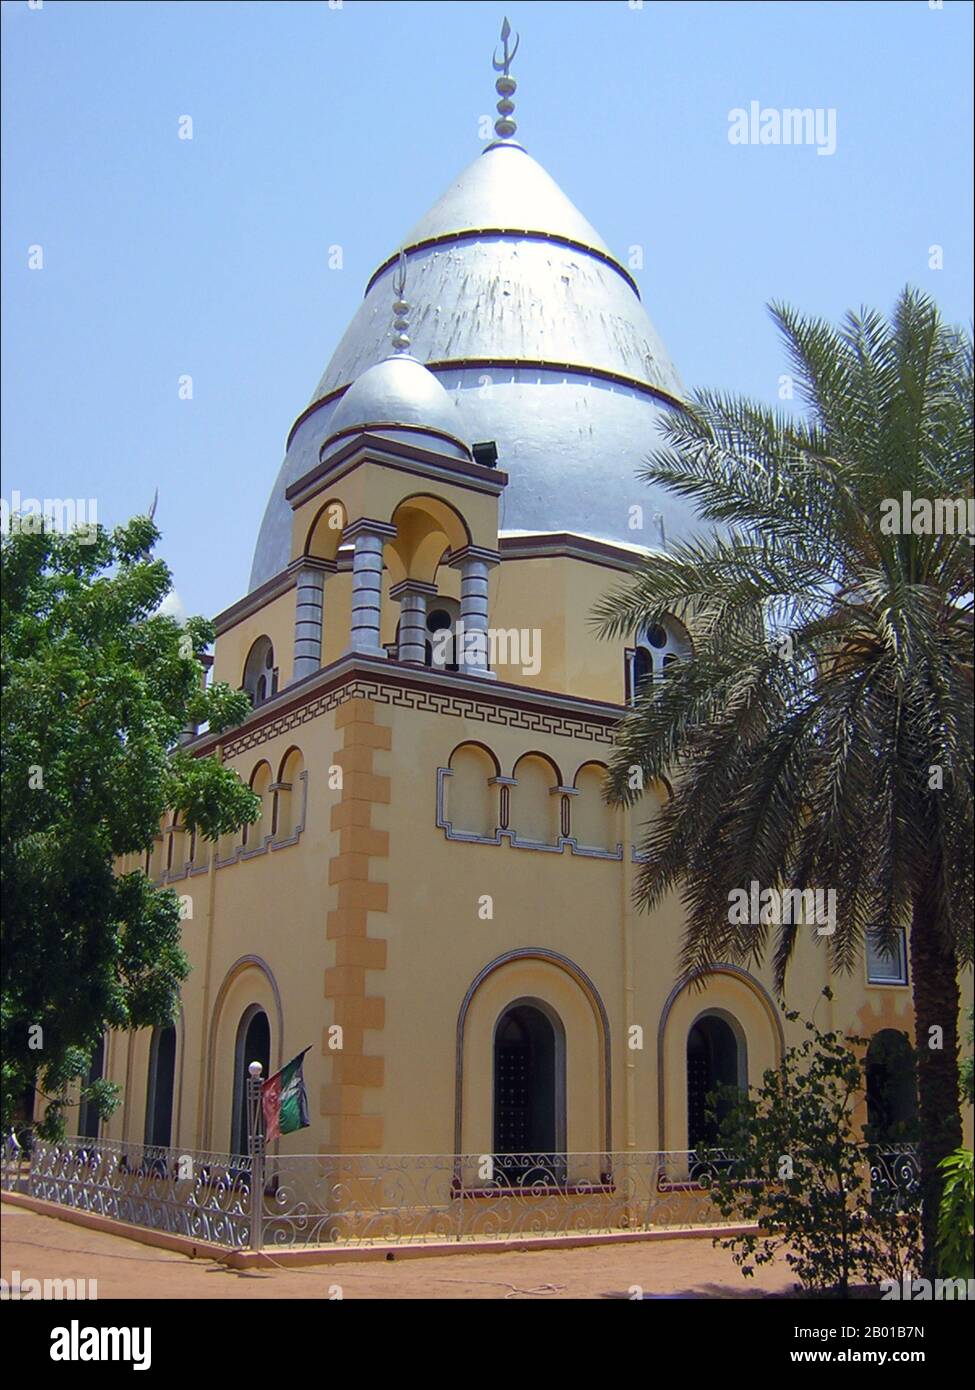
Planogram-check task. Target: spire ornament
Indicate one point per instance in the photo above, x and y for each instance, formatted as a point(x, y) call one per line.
point(506, 86)
point(401, 308)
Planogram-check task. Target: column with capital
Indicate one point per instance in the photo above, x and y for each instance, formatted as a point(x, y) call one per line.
point(412, 595)
point(475, 563)
point(369, 537)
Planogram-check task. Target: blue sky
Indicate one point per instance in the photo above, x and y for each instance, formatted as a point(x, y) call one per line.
point(316, 125)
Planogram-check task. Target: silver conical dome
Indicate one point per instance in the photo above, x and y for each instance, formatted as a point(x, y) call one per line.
point(538, 333)
point(504, 266)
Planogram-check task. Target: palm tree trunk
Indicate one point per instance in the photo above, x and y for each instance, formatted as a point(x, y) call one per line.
point(934, 973)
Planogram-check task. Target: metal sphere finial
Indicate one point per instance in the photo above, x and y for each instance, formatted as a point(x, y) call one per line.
point(401, 308)
point(506, 86)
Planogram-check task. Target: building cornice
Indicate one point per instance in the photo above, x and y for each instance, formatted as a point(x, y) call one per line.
point(378, 427)
point(451, 694)
point(565, 545)
point(365, 448)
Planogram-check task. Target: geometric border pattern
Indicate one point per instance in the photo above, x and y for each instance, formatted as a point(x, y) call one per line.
point(433, 702)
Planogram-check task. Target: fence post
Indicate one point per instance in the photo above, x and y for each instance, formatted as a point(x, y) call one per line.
point(12, 1153)
point(255, 1145)
point(458, 1179)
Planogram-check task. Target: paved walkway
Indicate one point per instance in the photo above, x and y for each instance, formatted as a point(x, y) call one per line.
point(41, 1247)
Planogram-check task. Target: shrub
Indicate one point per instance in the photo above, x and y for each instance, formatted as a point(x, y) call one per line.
point(839, 1210)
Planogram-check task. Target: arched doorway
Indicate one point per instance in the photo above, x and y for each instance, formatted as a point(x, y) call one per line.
point(714, 1059)
point(161, 1086)
point(529, 1093)
point(253, 1045)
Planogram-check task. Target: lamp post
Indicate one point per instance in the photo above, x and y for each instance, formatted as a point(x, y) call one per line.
point(255, 1147)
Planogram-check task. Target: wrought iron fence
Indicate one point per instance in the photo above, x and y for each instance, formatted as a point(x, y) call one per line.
point(361, 1199)
point(895, 1175)
point(364, 1199)
point(14, 1164)
point(181, 1191)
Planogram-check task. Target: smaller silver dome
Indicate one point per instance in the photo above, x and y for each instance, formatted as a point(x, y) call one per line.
point(397, 392)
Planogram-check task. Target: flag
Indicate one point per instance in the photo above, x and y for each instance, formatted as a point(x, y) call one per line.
point(284, 1100)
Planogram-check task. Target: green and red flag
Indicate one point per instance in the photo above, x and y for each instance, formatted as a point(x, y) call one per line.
point(284, 1100)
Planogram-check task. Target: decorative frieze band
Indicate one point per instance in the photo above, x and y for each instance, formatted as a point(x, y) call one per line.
point(455, 706)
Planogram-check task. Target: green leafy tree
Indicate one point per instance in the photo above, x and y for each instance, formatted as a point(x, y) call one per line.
point(821, 736)
point(956, 1226)
point(956, 1220)
point(97, 688)
point(840, 1212)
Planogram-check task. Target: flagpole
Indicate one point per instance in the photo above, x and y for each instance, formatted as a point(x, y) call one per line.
point(255, 1147)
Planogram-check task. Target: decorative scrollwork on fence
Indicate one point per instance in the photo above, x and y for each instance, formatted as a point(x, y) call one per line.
point(183, 1192)
point(366, 1199)
point(895, 1175)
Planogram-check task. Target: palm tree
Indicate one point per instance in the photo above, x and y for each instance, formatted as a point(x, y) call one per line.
point(821, 735)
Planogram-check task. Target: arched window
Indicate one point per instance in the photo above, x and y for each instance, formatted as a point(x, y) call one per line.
point(891, 1088)
point(159, 854)
point(200, 850)
point(254, 834)
point(228, 843)
point(529, 1094)
point(160, 1086)
point(253, 1045)
point(714, 1059)
point(88, 1117)
point(535, 806)
point(443, 615)
point(179, 851)
point(472, 803)
point(290, 795)
point(260, 673)
point(592, 821)
point(643, 813)
point(657, 646)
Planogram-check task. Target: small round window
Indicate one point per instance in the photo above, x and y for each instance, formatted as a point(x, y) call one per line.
point(438, 620)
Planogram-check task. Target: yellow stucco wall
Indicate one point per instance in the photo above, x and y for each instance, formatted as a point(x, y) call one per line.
point(275, 620)
point(392, 949)
point(435, 914)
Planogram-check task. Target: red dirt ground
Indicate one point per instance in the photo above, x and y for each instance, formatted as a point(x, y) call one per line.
point(42, 1247)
